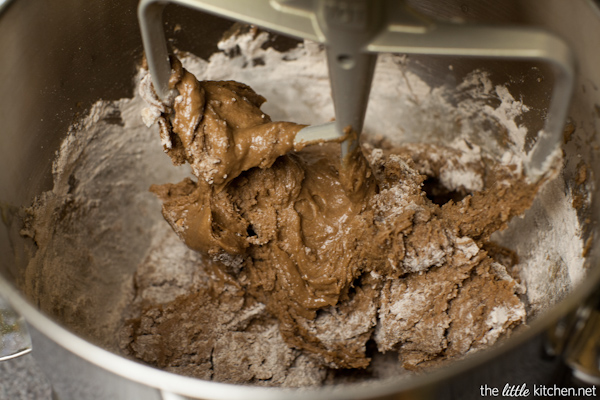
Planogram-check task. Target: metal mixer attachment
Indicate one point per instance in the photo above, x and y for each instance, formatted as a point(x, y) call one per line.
point(14, 335)
point(355, 31)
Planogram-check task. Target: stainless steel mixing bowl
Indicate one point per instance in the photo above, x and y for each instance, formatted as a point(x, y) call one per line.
point(60, 57)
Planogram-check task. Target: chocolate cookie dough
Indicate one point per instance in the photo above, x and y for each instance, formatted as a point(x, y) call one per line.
point(328, 257)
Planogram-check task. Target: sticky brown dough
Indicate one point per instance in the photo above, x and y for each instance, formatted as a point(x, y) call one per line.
point(339, 256)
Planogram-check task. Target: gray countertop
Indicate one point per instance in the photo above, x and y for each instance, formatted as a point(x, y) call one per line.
point(21, 379)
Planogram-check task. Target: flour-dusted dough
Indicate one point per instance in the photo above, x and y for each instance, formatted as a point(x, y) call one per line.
point(339, 256)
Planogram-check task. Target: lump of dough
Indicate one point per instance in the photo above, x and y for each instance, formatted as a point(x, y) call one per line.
point(339, 256)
